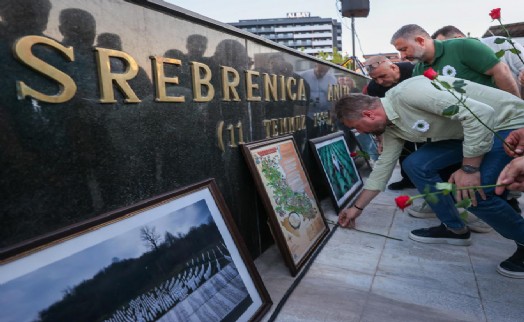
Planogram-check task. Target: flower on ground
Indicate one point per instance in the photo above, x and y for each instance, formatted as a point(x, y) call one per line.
point(495, 14)
point(431, 73)
point(421, 126)
point(449, 70)
point(403, 201)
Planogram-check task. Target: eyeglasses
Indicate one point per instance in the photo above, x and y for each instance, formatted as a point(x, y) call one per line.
point(373, 66)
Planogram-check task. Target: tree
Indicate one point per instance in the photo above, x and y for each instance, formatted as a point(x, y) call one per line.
point(149, 235)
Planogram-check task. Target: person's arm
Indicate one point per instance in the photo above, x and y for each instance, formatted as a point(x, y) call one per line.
point(346, 218)
point(503, 79)
point(512, 175)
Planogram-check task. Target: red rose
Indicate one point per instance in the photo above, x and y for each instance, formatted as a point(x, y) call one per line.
point(403, 202)
point(353, 154)
point(495, 13)
point(430, 73)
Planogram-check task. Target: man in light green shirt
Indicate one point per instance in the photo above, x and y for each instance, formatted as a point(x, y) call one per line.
point(413, 111)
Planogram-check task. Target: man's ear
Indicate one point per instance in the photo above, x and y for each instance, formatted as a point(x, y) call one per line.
point(420, 40)
point(368, 113)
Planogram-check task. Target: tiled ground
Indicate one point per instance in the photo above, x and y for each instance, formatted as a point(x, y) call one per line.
point(364, 277)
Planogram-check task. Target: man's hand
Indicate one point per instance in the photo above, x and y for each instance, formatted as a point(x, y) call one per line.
point(512, 175)
point(346, 218)
point(463, 179)
point(516, 141)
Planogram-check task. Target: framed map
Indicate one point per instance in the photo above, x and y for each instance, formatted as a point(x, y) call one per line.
point(294, 213)
point(340, 173)
point(176, 257)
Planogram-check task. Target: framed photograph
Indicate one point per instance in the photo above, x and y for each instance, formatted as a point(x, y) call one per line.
point(295, 217)
point(177, 257)
point(339, 169)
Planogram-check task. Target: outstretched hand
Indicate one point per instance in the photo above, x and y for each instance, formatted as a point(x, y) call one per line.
point(512, 176)
point(516, 141)
point(346, 218)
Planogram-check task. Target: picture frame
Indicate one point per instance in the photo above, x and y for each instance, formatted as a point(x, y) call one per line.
point(294, 213)
point(338, 168)
point(178, 256)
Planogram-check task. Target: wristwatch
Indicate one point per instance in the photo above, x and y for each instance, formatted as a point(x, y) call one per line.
point(469, 168)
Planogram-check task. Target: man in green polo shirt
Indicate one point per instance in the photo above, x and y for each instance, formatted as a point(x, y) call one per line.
point(465, 58)
point(414, 111)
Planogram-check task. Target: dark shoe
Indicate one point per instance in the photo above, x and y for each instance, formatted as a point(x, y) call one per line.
point(514, 266)
point(440, 235)
point(514, 203)
point(402, 184)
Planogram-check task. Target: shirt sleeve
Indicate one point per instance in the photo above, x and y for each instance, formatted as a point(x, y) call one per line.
point(477, 56)
point(385, 164)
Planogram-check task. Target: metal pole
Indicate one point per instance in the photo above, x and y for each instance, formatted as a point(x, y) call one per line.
point(353, 40)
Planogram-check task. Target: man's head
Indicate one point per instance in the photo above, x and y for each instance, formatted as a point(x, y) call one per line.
point(448, 32)
point(383, 71)
point(362, 112)
point(320, 70)
point(414, 44)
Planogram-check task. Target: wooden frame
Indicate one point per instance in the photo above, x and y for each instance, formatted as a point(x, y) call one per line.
point(339, 169)
point(177, 256)
point(295, 216)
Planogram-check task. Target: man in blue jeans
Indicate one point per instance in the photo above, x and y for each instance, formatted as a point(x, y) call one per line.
point(413, 111)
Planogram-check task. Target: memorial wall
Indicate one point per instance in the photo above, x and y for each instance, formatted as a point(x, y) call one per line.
point(107, 103)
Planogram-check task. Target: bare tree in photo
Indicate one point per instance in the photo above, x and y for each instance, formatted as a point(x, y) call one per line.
point(149, 235)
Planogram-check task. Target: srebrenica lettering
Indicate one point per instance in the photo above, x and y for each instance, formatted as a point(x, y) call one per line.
point(104, 104)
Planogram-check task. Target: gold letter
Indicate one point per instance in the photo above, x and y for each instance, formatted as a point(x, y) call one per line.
point(267, 127)
point(250, 85)
point(270, 87)
point(198, 82)
point(330, 92)
point(282, 87)
point(229, 86)
point(22, 51)
point(283, 125)
point(161, 79)
point(301, 91)
point(290, 94)
point(120, 79)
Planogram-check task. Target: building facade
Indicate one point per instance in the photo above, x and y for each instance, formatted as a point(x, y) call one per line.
point(299, 30)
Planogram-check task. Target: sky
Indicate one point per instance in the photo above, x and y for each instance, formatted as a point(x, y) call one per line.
point(385, 16)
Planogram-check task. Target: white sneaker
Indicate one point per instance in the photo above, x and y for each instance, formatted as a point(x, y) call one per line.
point(477, 225)
point(421, 211)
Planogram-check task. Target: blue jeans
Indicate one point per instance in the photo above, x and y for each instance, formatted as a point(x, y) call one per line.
point(423, 166)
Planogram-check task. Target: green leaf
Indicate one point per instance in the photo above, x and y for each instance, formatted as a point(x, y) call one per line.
point(450, 110)
point(500, 40)
point(459, 83)
point(515, 51)
point(427, 189)
point(436, 86)
point(460, 90)
point(464, 216)
point(464, 203)
point(431, 198)
point(445, 84)
point(500, 53)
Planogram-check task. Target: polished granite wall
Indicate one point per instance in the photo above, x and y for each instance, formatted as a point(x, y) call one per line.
point(68, 155)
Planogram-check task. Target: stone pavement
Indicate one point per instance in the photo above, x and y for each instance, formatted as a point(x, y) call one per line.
point(363, 277)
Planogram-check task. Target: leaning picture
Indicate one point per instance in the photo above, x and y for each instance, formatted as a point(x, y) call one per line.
point(294, 213)
point(177, 257)
point(341, 174)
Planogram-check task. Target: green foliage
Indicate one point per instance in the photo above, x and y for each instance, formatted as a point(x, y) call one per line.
point(336, 57)
point(436, 86)
point(286, 199)
point(500, 53)
point(450, 110)
point(500, 40)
